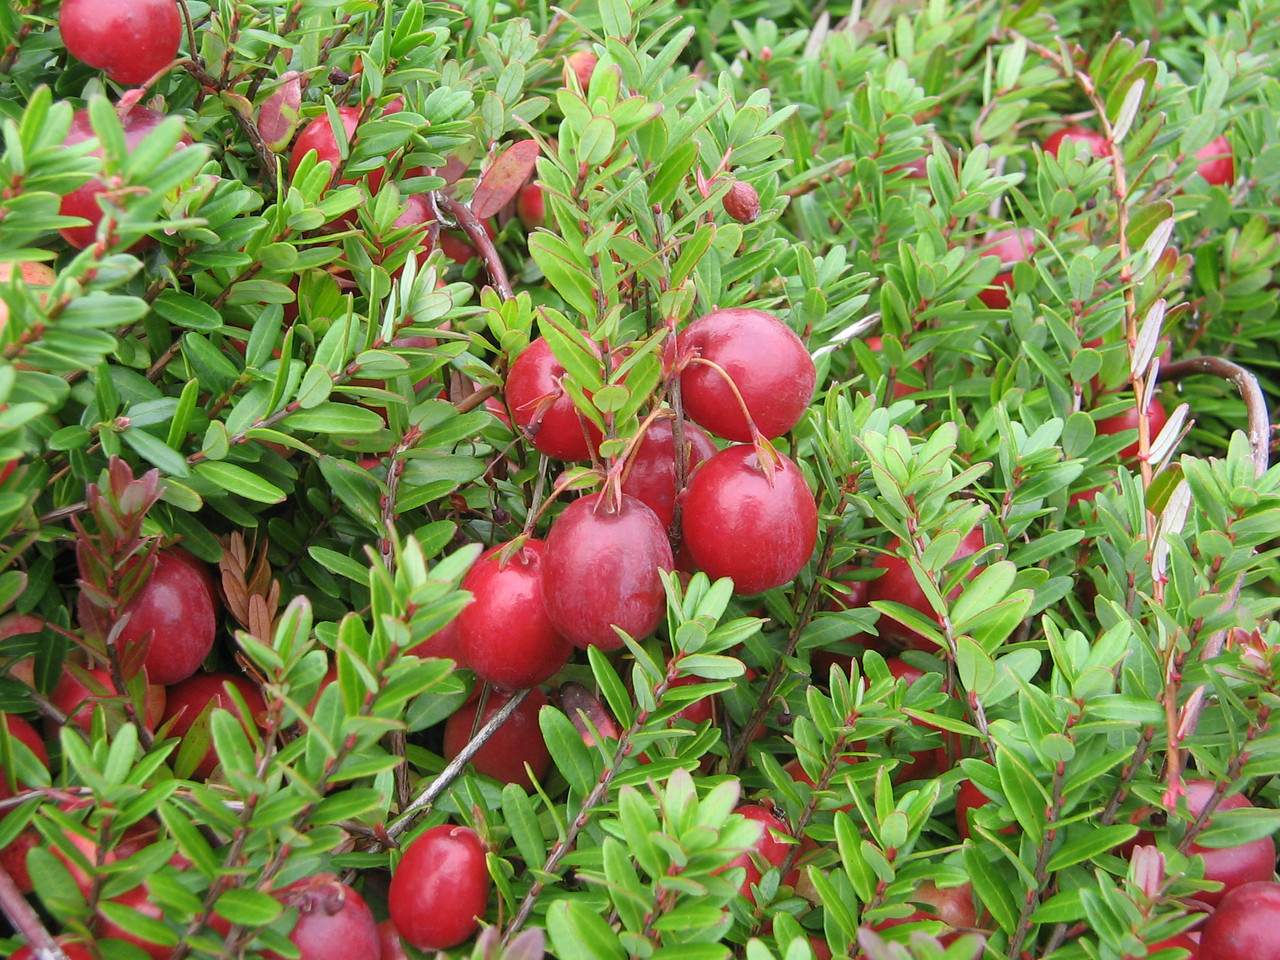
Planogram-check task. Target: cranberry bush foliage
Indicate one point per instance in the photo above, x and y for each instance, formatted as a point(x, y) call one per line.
point(258, 362)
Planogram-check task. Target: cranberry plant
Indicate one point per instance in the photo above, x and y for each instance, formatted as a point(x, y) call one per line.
point(670, 480)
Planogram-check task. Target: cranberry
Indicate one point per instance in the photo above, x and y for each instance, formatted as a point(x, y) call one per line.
point(136, 837)
point(390, 943)
point(583, 64)
point(733, 508)
point(440, 888)
point(1082, 137)
point(83, 201)
point(899, 583)
point(769, 850)
point(544, 413)
point(1011, 246)
point(445, 643)
point(1157, 417)
point(1244, 925)
point(140, 900)
point(33, 275)
point(517, 742)
point(1217, 165)
point(505, 633)
point(970, 798)
point(531, 206)
point(78, 701)
point(766, 361)
point(21, 730)
point(600, 571)
point(651, 475)
point(73, 950)
point(318, 136)
point(1231, 866)
point(178, 606)
point(334, 923)
point(742, 202)
point(190, 698)
point(130, 42)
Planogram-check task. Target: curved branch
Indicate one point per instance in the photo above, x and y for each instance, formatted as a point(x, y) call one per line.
point(1250, 391)
point(461, 214)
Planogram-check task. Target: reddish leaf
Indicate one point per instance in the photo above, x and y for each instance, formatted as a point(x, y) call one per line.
point(504, 178)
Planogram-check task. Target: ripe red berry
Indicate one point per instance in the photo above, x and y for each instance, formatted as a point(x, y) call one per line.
point(741, 522)
point(83, 201)
point(390, 943)
point(517, 742)
point(899, 583)
point(334, 923)
point(1244, 925)
point(440, 888)
point(600, 570)
point(130, 42)
point(651, 475)
point(544, 412)
point(138, 899)
point(767, 362)
point(78, 701)
point(1156, 419)
point(531, 206)
point(73, 950)
point(1097, 144)
point(178, 606)
point(318, 136)
point(190, 698)
point(505, 633)
point(769, 851)
point(1217, 164)
point(1011, 246)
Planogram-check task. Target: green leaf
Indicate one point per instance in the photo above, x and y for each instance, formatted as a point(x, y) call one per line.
point(333, 417)
point(565, 745)
point(251, 908)
point(240, 481)
point(578, 932)
point(184, 310)
point(156, 452)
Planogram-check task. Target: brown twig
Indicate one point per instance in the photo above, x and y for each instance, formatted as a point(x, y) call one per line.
point(461, 214)
point(26, 921)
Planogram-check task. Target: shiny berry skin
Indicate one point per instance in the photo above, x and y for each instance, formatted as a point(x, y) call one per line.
point(651, 475)
point(334, 922)
point(1082, 137)
point(1217, 164)
point(318, 136)
point(739, 522)
point(83, 201)
point(1244, 925)
point(600, 570)
point(440, 888)
point(517, 742)
point(1156, 419)
point(1231, 866)
point(769, 850)
point(544, 413)
point(531, 207)
point(1010, 246)
point(78, 701)
point(140, 900)
point(505, 634)
point(179, 606)
point(129, 41)
point(898, 583)
point(445, 643)
point(188, 699)
point(390, 943)
point(766, 361)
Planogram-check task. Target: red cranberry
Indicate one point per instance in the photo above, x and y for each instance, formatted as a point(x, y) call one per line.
point(517, 742)
point(334, 923)
point(544, 413)
point(651, 475)
point(440, 888)
point(600, 571)
point(130, 42)
point(189, 699)
point(899, 583)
